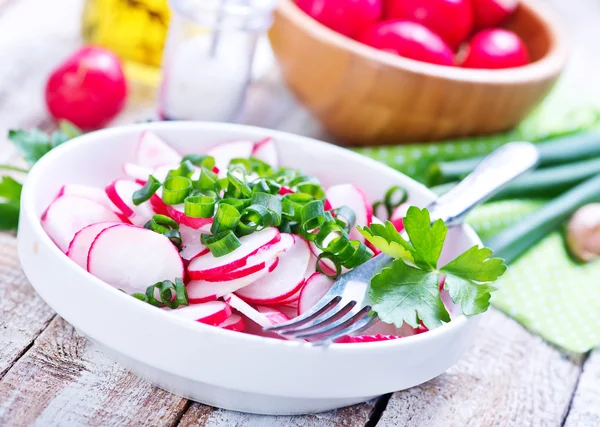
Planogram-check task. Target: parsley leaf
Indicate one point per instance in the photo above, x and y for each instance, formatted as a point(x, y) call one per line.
point(387, 239)
point(403, 293)
point(10, 190)
point(466, 279)
point(34, 144)
point(408, 291)
point(427, 240)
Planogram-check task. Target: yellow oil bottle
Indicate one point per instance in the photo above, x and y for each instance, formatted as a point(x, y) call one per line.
point(133, 29)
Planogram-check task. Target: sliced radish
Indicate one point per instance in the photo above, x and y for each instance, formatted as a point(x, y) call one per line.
point(275, 316)
point(158, 205)
point(235, 322)
point(68, 214)
point(133, 258)
point(355, 198)
point(285, 281)
point(87, 192)
point(137, 172)
point(266, 151)
point(247, 310)
point(152, 152)
point(211, 313)
point(191, 247)
point(120, 192)
point(290, 311)
point(315, 288)
point(225, 152)
point(178, 214)
point(210, 266)
point(365, 338)
point(266, 257)
point(201, 291)
point(80, 245)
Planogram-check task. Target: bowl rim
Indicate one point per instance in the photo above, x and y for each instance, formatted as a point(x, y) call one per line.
point(550, 64)
point(28, 211)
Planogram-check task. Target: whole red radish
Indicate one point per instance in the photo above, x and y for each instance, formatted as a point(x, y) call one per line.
point(452, 20)
point(88, 89)
point(495, 48)
point(492, 13)
point(347, 17)
point(410, 40)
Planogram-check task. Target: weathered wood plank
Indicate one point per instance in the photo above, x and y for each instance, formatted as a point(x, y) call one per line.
point(23, 314)
point(64, 380)
point(508, 378)
point(204, 416)
point(585, 407)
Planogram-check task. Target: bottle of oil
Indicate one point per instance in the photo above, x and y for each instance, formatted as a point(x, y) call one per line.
point(133, 29)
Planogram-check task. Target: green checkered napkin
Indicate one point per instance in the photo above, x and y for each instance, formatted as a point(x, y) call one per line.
point(544, 290)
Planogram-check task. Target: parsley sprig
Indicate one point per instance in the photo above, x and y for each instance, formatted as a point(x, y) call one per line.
point(32, 145)
point(408, 291)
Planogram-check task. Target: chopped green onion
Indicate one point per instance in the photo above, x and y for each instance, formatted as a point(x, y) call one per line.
point(186, 169)
point(175, 237)
point(170, 294)
point(313, 189)
point(334, 260)
point(147, 191)
point(345, 217)
point(200, 206)
point(161, 224)
point(237, 187)
point(266, 186)
point(311, 217)
point(222, 243)
point(176, 189)
point(226, 218)
point(206, 181)
point(269, 201)
point(200, 160)
point(239, 204)
point(256, 217)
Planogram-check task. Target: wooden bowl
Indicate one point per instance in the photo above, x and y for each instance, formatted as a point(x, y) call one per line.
point(364, 96)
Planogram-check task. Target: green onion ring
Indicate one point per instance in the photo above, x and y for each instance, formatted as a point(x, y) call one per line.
point(200, 206)
point(222, 243)
point(176, 189)
point(147, 191)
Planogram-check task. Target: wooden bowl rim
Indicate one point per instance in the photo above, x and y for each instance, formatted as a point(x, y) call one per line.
point(549, 65)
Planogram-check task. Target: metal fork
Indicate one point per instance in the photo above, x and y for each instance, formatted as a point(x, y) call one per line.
point(346, 308)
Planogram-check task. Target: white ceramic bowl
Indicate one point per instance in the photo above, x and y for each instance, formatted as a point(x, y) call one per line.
point(218, 367)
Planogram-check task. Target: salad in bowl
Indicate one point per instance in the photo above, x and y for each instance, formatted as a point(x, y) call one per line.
point(172, 245)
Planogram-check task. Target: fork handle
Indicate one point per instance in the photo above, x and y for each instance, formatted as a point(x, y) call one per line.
point(491, 175)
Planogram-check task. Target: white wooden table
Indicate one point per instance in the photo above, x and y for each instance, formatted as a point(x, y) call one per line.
point(49, 375)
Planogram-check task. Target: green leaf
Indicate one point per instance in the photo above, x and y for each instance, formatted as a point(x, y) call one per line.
point(426, 239)
point(9, 216)
point(402, 293)
point(466, 279)
point(387, 239)
point(32, 145)
point(10, 190)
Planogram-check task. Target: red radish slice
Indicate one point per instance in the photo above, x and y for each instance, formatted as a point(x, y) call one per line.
point(226, 151)
point(247, 310)
point(275, 316)
point(92, 193)
point(201, 291)
point(178, 214)
point(120, 192)
point(290, 311)
point(68, 214)
point(285, 281)
point(133, 258)
point(326, 264)
point(80, 245)
point(266, 151)
point(191, 246)
point(211, 313)
point(152, 152)
point(365, 338)
point(137, 172)
point(158, 205)
point(208, 265)
point(315, 288)
point(266, 257)
point(353, 197)
point(235, 322)
point(310, 270)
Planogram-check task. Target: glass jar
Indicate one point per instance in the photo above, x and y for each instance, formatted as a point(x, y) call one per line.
point(134, 29)
point(208, 57)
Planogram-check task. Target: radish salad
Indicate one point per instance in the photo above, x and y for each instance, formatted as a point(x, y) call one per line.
point(230, 238)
